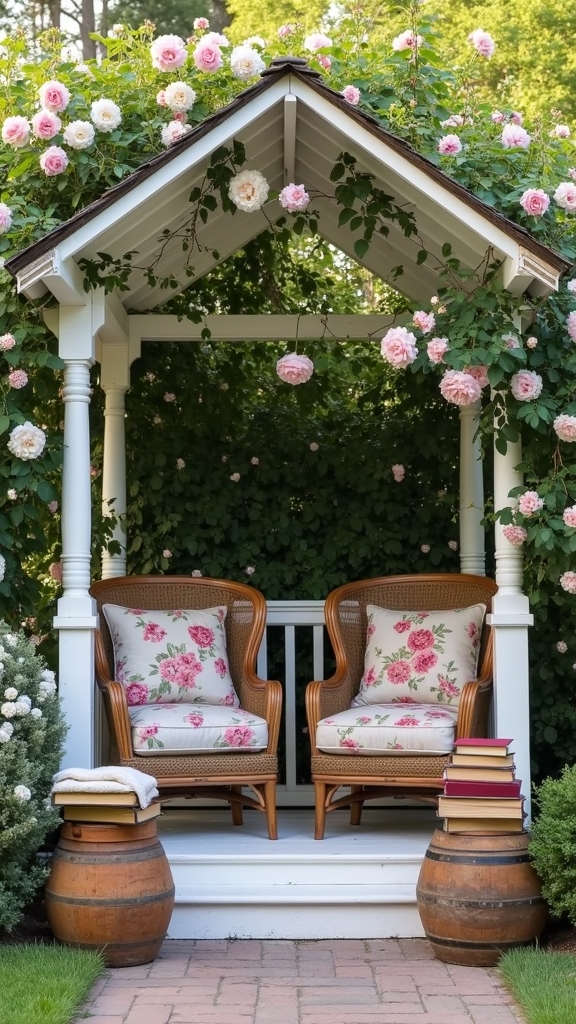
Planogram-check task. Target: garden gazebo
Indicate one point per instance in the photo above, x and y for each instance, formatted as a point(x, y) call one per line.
point(293, 128)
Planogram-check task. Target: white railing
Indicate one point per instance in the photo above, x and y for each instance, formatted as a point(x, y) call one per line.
point(290, 614)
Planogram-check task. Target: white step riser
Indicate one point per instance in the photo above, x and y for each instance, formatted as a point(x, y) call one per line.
point(290, 872)
point(303, 921)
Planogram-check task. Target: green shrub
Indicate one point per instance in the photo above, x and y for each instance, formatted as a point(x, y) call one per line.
point(553, 845)
point(31, 744)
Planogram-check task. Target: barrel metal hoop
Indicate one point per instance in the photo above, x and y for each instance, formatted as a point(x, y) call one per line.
point(444, 901)
point(111, 947)
point(478, 858)
point(128, 857)
point(103, 901)
point(463, 944)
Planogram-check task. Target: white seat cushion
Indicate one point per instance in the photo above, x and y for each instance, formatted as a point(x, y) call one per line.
point(171, 657)
point(402, 728)
point(197, 729)
point(425, 656)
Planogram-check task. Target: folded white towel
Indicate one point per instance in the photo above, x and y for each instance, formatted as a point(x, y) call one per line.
point(108, 779)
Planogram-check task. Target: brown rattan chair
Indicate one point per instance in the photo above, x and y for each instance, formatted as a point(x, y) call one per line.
point(417, 775)
point(220, 775)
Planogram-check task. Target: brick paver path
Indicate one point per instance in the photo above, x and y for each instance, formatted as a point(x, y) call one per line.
point(373, 981)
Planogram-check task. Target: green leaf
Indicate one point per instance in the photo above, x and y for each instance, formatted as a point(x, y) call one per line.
point(361, 247)
point(421, 257)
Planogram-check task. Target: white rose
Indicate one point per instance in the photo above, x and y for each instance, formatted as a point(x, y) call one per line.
point(12, 494)
point(248, 190)
point(79, 134)
point(105, 115)
point(179, 96)
point(22, 793)
point(36, 713)
point(11, 693)
point(27, 442)
point(246, 62)
point(171, 133)
point(8, 710)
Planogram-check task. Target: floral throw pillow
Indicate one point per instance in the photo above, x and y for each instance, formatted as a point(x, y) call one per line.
point(423, 656)
point(171, 657)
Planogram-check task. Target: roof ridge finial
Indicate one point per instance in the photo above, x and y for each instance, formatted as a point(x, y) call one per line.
point(299, 64)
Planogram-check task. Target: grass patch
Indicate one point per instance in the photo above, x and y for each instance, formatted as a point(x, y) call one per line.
point(543, 984)
point(44, 984)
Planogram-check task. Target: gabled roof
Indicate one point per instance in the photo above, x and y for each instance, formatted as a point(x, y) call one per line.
point(293, 127)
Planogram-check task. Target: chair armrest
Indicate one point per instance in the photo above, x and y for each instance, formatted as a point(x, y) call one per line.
point(473, 708)
point(116, 705)
point(263, 697)
point(326, 697)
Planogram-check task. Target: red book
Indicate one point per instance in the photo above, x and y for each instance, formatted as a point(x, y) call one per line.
point(505, 789)
point(481, 745)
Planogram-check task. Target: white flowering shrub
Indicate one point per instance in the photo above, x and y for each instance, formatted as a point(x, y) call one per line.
point(32, 730)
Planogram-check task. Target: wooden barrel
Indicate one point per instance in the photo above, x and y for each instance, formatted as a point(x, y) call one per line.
point(478, 896)
point(110, 888)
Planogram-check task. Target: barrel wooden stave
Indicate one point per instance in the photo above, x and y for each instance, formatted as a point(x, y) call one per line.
point(110, 888)
point(478, 895)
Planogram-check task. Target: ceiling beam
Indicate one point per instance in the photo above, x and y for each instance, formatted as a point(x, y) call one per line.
point(290, 109)
point(262, 327)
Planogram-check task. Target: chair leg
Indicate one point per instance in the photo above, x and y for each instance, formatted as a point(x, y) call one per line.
point(356, 807)
point(270, 806)
point(320, 809)
point(236, 807)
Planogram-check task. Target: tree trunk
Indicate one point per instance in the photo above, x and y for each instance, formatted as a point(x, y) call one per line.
point(88, 26)
point(55, 9)
point(219, 17)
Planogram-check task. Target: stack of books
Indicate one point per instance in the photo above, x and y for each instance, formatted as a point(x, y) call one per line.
point(104, 808)
point(481, 793)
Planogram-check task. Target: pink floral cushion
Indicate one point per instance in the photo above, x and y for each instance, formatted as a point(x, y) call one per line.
point(168, 657)
point(389, 729)
point(425, 656)
point(203, 729)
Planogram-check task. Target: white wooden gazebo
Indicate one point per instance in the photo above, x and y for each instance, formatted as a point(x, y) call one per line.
point(293, 128)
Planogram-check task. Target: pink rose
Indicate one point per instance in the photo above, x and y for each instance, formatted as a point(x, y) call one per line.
point(561, 647)
point(425, 321)
point(53, 161)
point(482, 42)
point(398, 472)
point(424, 661)
point(201, 23)
point(399, 672)
point(229, 700)
point(294, 198)
point(54, 96)
point(351, 94)
point(402, 627)
point(480, 375)
point(565, 427)
point(571, 325)
point(449, 145)
point(568, 582)
point(516, 117)
point(195, 719)
point(515, 535)
point(526, 385)
point(531, 342)
point(407, 720)
point(46, 124)
point(317, 41)
point(425, 548)
point(216, 39)
point(569, 516)
point(515, 137)
point(497, 116)
point(52, 507)
point(207, 56)
point(436, 713)
point(16, 131)
point(529, 503)
point(324, 61)
point(168, 669)
point(169, 397)
point(472, 630)
point(187, 668)
point(55, 570)
point(201, 635)
point(560, 131)
point(453, 545)
point(5, 220)
point(136, 693)
point(534, 201)
point(161, 98)
point(420, 639)
point(349, 743)
point(364, 720)
point(170, 134)
point(369, 677)
point(294, 369)
point(18, 379)
point(147, 731)
point(168, 53)
point(398, 347)
point(565, 196)
point(436, 349)
point(448, 687)
point(285, 30)
point(460, 388)
point(220, 667)
point(154, 632)
point(371, 630)
point(407, 41)
point(238, 736)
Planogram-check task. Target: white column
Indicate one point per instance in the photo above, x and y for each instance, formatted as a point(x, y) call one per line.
point(114, 477)
point(510, 619)
point(76, 617)
point(472, 539)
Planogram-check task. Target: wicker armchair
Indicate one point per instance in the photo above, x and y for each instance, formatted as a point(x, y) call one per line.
point(213, 774)
point(417, 775)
